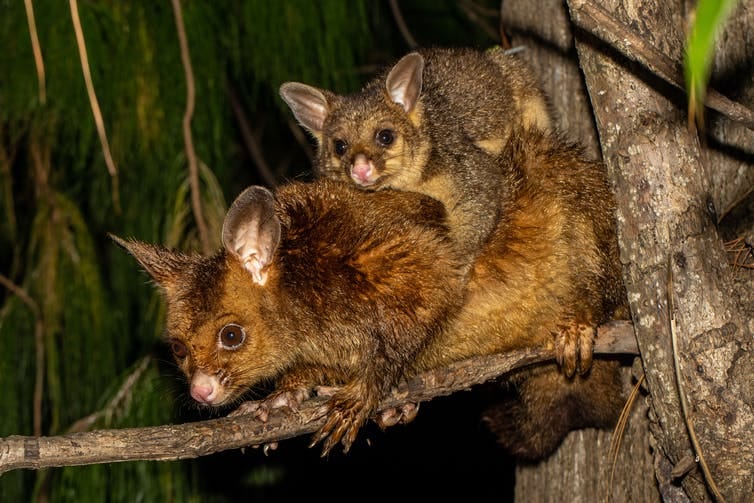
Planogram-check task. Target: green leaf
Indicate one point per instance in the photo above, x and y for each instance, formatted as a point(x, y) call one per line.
point(709, 20)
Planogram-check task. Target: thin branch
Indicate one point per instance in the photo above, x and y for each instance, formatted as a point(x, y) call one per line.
point(190, 440)
point(505, 42)
point(38, 345)
point(196, 200)
point(250, 139)
point(402, 27)
point(600, 23)
point(96, 112)
point(301, 139)
point(470, 9)
point(38, 61)
point(123, 395)
point(618, 432)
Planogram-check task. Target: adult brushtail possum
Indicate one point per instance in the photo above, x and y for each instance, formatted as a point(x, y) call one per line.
point(318, 284)
point(326, 284)
point(531, 214)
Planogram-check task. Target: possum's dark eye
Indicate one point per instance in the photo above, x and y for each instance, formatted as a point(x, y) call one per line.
point(340, 147)
point(385, 137)
point(231, 336)
point(178, 348)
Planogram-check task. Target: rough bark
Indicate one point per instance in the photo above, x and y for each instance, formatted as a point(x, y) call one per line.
point(580, 471)
point(202, 438)
point(731, 145)
point(675, 266)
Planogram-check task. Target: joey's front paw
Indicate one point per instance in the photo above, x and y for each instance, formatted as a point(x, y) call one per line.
point(403, 414)
point(574, 344)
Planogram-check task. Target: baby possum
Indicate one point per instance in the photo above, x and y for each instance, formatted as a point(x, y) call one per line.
point(435, 124)
point(318, 284)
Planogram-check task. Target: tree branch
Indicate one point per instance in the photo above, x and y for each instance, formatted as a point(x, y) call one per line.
point(600, 23)
point(94, 103)
point(196, 200)
point(249, 139)
point(191, 440)
point(402, 27)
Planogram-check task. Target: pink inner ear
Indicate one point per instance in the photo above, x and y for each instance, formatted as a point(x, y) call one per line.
point(255, 267)
point(307, 103)
point(404, 82)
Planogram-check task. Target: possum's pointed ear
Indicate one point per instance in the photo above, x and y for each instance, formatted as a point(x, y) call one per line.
point(404, 82)
point(251, 231)
point(163, 265)
point(308, 104)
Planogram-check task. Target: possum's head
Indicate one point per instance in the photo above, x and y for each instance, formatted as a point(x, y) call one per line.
point(374, 139)
point(215, 328)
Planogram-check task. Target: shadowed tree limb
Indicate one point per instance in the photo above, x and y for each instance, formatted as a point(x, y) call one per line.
point(201, 438)
point(599, 22)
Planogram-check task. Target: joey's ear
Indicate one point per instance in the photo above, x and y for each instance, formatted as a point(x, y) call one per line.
point(251, 231)
point(404, 82)
point(163, 265)
point(308, 104)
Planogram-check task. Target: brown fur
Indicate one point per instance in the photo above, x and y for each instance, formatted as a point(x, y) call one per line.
point(345, 301)
point(548, 277)
point(541, 406)
point(471, 104)
point(364, 288)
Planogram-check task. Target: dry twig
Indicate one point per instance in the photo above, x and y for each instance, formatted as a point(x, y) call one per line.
point(38, 345)
point(196, 199)
point(38, 61)
point(402, 27)
point(94, 103)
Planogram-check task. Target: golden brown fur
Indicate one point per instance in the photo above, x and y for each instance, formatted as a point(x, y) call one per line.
point(344, 302)
point(548, 277)
point(366, 286)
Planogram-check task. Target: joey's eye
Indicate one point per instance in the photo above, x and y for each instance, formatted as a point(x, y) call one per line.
point(178, 348)
point(340, 147)
point(231, 336)
point(385, 137)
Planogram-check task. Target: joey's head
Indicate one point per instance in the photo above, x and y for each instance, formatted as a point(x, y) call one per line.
point(216, 328)
point(375, 138)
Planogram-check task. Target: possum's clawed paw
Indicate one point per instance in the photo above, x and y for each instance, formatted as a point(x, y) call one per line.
point(345, 413)
point(402, 414)
point(574, 344)
point(290, 399)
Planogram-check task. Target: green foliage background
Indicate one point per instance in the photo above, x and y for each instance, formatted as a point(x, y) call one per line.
point(90, 312)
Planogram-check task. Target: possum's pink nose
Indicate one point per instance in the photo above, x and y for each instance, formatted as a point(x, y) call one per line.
point(202, 394)
point(206, 389)
point(363, 171)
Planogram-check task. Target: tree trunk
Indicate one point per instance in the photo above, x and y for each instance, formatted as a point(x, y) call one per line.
point(581, 470)
point(731, 145)
point(675, 267)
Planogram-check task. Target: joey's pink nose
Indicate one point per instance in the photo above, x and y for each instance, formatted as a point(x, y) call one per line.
point(362, 170)
point(202, 394)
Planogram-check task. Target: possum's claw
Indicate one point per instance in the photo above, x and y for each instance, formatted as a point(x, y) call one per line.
point(574, 345)
point(402, 414)
point(345, 412)
point(288, 398)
